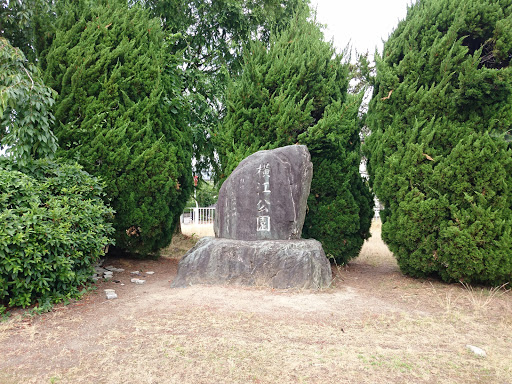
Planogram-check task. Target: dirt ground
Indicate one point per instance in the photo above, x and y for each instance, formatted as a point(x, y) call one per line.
point(372, 326)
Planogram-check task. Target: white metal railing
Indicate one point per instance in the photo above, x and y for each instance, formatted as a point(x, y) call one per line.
point(198, 215)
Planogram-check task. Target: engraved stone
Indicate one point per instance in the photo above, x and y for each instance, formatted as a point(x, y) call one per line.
point(265, 196)
point(258, 225)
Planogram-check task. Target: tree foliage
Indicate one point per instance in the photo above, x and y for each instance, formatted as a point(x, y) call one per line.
point(205, 195)
point(440, 158)
point(121, 114)
point(27, 25)
point(25, 107)
point(214, 32)
point(211, 36)
point(295, 91)
point(53, 228)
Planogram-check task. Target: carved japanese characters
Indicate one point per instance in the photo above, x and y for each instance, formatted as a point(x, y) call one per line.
point(265, 196)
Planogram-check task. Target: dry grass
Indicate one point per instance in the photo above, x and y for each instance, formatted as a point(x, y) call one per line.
point(481, 298)
point(373, 325)
point(180, 244)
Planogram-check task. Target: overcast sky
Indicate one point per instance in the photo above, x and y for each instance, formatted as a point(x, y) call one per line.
point(363, 23)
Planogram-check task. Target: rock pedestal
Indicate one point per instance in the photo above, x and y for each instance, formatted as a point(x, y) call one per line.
point(274, 263)
point(258, 225)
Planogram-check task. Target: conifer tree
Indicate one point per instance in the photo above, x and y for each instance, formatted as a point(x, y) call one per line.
point(120, 114)
point(295, 91)
point(440, 156)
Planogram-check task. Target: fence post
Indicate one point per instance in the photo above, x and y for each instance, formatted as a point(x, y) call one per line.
point(196, 215)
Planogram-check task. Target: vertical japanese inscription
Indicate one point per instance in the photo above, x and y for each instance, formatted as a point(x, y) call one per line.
point(263, 206)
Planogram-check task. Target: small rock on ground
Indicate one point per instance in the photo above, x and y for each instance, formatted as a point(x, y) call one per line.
point(477, 351)
point(111, 294)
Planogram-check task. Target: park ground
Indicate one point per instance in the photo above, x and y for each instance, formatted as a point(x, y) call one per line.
point(373, 325)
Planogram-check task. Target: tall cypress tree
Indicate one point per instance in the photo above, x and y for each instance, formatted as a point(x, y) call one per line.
point(295, 91)
point(440, 156)
point(120, 114)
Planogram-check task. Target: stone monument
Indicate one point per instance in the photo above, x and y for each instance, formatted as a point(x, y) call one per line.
point(258, 224)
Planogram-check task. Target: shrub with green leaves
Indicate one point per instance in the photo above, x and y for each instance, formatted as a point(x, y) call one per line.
point(295, 91)
point(439, 152)
point(53, 227)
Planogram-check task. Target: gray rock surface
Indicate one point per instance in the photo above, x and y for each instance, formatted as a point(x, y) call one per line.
point(275, 263)
point(111, 294)
point(265, 197)
point(108, 274)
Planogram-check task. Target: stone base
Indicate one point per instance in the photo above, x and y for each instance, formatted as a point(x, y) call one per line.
point(275, 263)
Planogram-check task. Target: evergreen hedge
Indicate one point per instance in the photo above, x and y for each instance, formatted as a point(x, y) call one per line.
point(53, 228)
point(120, 114)
point(439, 152)
point(295, 91)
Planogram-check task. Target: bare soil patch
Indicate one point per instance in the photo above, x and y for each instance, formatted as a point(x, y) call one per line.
point(372, 325)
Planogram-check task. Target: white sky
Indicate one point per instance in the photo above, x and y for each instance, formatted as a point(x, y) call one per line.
point(363, 23)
